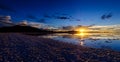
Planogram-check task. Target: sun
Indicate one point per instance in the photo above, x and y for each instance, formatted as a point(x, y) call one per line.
point(82, 30)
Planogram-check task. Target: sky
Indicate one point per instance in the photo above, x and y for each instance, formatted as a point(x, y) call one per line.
point(63, 12)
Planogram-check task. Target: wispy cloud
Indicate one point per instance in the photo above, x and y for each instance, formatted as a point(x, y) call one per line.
point(61, 17)
point(39, 25)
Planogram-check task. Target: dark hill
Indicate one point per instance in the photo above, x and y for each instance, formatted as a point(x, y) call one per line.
point(24, 29)
point(29, 30)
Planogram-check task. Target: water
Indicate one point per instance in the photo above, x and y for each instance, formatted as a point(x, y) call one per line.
point(94, 40)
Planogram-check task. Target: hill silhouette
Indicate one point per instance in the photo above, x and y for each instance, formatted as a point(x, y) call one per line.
point(30, 30)
point(24, 29)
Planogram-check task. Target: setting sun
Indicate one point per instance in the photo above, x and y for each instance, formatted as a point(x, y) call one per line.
point(82, 30)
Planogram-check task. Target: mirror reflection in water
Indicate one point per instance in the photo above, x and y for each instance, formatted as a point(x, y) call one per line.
point(94, 40)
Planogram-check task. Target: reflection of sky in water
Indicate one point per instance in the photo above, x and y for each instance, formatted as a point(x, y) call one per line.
point(113, 44)
point(105, 41)
point(69, 40)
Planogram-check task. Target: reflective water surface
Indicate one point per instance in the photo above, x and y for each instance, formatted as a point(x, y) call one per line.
point(94, 40)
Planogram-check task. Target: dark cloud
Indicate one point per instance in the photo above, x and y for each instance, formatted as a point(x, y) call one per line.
point(67, 17)
point(106, 16)
point(62, 17)
point(109, 15)
point(103, 17)
point(56, 17)
point(6, 8)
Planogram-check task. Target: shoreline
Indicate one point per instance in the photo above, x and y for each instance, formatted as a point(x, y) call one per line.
point(16, 47)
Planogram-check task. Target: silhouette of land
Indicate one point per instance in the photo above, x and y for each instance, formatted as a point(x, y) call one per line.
point(29, 30)
point(16, 47)
point(18, 28)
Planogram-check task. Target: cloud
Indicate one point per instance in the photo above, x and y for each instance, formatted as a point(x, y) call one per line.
point(62, 17)
point(106, 16)
point(6, 8)
point(103, 17)
point(40, 25)
point(56, 17)
point(109, 16)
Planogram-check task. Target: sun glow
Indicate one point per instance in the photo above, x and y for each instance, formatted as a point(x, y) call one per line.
point(82, 30)
point(81, 34)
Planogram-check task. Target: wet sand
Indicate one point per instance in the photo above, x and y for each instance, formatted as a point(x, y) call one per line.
point(16, 47)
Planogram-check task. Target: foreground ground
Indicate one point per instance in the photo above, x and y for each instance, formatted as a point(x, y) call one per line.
point(15, 47)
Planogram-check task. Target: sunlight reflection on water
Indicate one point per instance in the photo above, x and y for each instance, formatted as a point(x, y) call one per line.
point(94, 40)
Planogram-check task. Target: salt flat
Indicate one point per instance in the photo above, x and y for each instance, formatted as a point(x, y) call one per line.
point(16, 47)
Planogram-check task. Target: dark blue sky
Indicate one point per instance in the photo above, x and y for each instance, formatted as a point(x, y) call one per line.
point(87, 11)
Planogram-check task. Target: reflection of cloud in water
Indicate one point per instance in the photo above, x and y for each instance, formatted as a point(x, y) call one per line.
point(99, 40)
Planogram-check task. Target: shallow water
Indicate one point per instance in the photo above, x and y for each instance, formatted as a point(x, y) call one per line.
point(94, 40)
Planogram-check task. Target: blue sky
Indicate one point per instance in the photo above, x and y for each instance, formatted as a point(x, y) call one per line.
point(87, 11)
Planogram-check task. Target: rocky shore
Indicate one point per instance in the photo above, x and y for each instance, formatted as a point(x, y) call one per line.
point(16, 47)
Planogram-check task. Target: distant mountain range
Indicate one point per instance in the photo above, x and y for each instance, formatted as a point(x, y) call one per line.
point(6, 27)
point(24, 29)
point(28, 30)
